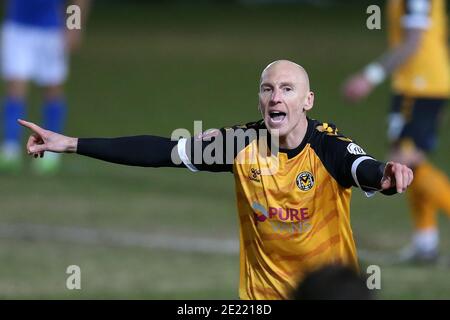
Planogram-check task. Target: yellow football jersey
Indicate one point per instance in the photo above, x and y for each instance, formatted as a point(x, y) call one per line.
point(426, 73)
point(293, 205)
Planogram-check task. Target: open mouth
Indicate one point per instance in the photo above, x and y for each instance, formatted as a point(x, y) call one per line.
point(277, 116)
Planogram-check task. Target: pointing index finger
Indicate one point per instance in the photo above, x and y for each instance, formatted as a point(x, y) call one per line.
point(32, 126)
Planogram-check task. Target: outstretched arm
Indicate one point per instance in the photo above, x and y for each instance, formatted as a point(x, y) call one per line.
point(144, 151)
point(350, 166)
point(415, 22)
point(362, 83)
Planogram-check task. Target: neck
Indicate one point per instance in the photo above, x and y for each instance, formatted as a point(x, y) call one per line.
point(294, 138)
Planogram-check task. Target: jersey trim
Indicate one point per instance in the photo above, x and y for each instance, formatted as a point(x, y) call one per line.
point(291, 153)
point(181, 147)
point(355, 165)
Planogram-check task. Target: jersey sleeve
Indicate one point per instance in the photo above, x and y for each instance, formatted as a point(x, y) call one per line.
point(417, 14)
point(215, 150)
point(347, 162)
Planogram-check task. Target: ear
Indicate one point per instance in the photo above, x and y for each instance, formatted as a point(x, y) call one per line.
point(309, 101)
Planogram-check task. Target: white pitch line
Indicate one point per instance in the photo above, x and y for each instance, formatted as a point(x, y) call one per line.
point(188, 244)
point(92, 236)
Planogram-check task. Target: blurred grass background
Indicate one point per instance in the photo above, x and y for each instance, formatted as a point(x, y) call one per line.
point(152, 68)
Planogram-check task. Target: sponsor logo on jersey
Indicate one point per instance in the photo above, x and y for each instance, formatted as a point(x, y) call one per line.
point(353, 148)
point(260, 213)
point(305, 181)
point(283, 219)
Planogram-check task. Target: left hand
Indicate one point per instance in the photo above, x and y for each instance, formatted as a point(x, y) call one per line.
point(357, 87)
point(396, 175)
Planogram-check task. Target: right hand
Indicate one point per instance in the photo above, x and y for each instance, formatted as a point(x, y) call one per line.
point(42, 140)
point(356, 88)
point(396, 175)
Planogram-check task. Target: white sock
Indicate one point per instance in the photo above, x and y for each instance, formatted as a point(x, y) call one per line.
point(426, 240)
point(11, 150)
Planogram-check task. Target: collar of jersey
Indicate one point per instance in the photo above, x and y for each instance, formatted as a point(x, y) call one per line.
point(291, 153)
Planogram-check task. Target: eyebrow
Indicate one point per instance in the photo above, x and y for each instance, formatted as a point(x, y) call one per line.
point(282, 84)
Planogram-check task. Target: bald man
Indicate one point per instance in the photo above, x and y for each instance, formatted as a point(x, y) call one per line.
point(293, 179)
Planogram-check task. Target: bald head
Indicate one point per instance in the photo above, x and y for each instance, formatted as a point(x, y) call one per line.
point(289, 68)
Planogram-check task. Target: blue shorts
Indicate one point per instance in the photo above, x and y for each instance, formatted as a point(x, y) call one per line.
point(415, 120)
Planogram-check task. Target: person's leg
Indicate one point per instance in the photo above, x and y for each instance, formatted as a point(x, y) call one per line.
point(425, 239)
point(54, 113)
point(433, 184)
point(54, 108)
point(16, 67)
point(430, 190)
point(13, 109)
point(426, 236)
point(51, 75)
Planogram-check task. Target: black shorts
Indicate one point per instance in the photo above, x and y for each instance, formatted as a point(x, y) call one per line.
point(415, 120)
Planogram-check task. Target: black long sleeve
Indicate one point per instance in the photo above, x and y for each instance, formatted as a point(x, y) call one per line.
point(143, 151)
point(370, 173)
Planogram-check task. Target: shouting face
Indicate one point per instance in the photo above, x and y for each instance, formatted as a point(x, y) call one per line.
point(284, 98)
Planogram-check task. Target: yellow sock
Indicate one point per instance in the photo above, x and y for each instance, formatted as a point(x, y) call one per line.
point(431, 188)
point(423, 214)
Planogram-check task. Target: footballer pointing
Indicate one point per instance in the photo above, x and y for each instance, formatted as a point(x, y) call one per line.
point(294, 217)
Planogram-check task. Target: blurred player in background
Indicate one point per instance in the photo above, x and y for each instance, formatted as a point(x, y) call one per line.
point(294, 217)
point(35, 46)
point(418, 62)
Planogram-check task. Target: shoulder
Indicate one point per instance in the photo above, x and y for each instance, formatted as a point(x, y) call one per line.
point(256, 125)
point(211, 134)
point(248, 131)
point(327, 131)
point(327, 137)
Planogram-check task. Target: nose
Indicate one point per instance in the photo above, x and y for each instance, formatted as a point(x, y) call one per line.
point(276, 97)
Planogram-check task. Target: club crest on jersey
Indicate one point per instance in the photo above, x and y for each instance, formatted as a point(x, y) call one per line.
point(255, 175)
point(305, 181)
point(353, 148)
